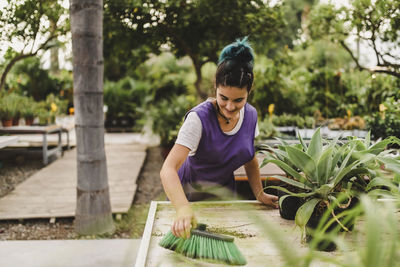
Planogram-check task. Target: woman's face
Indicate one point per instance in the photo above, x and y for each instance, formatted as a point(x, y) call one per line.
point(231, 100)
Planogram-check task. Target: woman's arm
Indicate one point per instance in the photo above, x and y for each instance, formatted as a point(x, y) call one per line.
point(185, 218)
point(253, 175)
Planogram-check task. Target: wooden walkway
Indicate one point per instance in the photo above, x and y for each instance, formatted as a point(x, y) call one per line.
point(51, 192)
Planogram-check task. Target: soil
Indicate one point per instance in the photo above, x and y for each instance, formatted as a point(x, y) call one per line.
point(17, 166)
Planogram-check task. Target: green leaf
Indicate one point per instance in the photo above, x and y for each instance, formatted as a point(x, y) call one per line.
point(367, 140)
point(283, 142)
point(344, 163)
point(391, 164)
point(378, 181)
point(297, 184)
point(379, 146)
point(324, 190)
point(286, 168)
point(303, 161)
point(324, 166)
point(302, 142)
point(304, 212)
point(335, 160)
point(315, 147)
point(344, 171)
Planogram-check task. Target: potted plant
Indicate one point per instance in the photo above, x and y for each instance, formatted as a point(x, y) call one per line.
point(8, 109)
point(29, 111)
point(324, 171)
point(26, 106)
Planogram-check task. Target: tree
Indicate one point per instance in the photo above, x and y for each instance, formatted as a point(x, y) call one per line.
point(93, 209)
point(198, 29)
point(27, 22)
point(376, 23)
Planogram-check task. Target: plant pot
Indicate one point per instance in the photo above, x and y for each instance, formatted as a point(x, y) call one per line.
point(15, 121)
point(6, 122)
point(327, 245)
point(312, 224)
point(289, 206)
point(29, 121)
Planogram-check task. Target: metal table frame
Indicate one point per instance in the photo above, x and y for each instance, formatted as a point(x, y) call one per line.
point(44, 130)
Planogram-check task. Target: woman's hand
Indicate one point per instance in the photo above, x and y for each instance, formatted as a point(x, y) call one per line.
point(184, 222)
point(269, 200)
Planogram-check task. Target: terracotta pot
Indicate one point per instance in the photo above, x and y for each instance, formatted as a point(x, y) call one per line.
point(6, 122)
point(15, 121)
point(29, 121)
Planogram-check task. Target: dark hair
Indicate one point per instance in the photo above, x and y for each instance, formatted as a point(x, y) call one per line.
point(235, 65)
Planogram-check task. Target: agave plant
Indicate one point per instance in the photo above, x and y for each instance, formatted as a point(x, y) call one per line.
point(382, 171)
point(324, 169)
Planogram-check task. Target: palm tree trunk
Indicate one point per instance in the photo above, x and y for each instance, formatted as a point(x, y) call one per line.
point(93, 209)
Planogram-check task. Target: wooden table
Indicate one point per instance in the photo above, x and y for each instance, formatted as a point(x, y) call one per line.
point(249, 222)
point(7, 140)
point(44, 131)
point(265, 172)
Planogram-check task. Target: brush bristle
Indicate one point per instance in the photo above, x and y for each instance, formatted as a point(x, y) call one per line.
point(203, 248)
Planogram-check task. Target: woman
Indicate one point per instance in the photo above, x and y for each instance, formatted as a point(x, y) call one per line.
point(216, 138)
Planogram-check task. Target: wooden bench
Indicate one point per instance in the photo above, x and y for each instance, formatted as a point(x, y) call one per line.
point(44, 131)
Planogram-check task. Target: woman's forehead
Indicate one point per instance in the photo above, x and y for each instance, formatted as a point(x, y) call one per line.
point(232, 92)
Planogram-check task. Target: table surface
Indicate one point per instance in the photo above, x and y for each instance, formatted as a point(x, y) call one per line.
point(31, 129)
point(7, 140)
point(249, 222)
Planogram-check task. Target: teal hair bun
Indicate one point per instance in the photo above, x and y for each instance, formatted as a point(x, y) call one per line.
point(239, 51)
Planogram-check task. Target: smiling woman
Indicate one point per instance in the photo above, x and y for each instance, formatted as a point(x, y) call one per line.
point(216, 138)
point(230, 101)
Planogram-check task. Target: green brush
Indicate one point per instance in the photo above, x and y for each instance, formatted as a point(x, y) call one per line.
point(205, 245)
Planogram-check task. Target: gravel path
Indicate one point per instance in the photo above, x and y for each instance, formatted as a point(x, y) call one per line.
point(17, 167)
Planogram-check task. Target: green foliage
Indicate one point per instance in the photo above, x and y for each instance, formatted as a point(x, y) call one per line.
point(267, 129)
point(273, 85)
point(380, 87)
point(326, 93)
point(23, 20)
point(167, 75)
point(375, 22)
point(198, 29)
point(9, 106)
point(375, 243)
point(167, 115)
point(29, 77)
point(122, 98)
point(27, 22)
point(323, 170)
point(48, 109)
point(387, 121)
point(161, 78)
point(293, 120)
point(314, 76)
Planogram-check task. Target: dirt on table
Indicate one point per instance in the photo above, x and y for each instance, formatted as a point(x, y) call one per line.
point(17, 167)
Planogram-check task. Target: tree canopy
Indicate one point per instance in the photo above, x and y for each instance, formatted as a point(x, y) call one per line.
point(198, 29)
point(375, 23)
point(27, 22)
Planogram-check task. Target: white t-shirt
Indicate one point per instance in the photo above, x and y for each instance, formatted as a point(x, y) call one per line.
point(189, 134)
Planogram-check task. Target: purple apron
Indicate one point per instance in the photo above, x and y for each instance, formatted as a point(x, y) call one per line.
point(209, 172)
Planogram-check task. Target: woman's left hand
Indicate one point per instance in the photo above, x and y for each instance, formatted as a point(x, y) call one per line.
point(269, 200)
